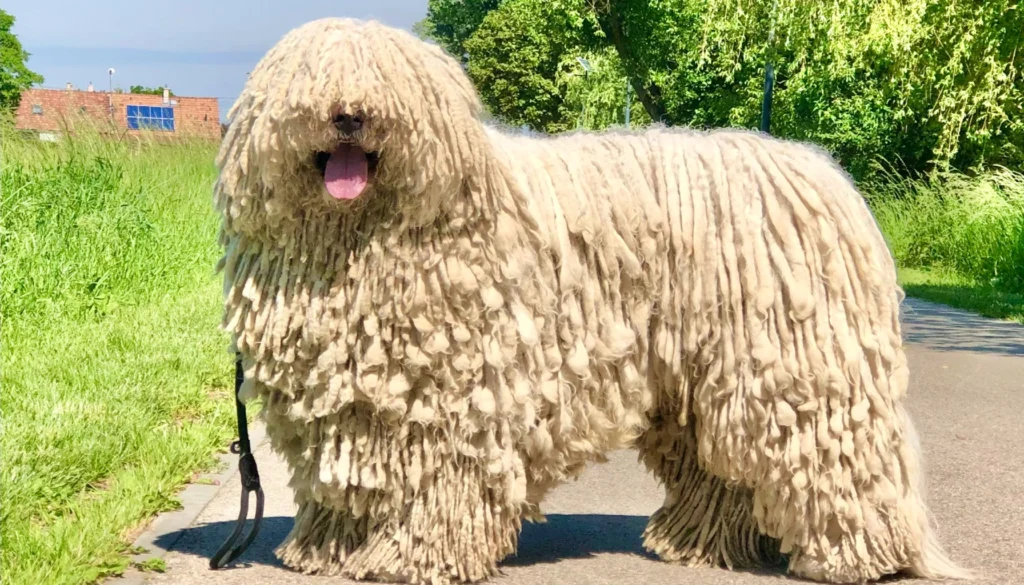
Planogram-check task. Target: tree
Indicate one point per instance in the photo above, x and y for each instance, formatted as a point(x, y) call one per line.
point(920, 83)
point(923, 83)
point(611, 15)
point(523, 55)
point(521, 52)
point(138, 89)
point(452, 22)
point(15, 77)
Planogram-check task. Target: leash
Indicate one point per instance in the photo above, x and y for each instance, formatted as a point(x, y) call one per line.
point(250, 477)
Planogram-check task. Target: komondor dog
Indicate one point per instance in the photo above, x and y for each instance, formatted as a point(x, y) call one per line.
point(444, 321)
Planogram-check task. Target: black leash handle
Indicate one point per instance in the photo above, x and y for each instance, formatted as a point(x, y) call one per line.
point(250, 477)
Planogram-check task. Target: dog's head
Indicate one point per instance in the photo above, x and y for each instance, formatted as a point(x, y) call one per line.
point(341, 114)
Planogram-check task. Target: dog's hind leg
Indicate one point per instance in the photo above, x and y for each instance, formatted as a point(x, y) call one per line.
point(703, 520)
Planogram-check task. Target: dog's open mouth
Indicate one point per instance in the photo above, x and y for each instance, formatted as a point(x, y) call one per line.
point(347, 170)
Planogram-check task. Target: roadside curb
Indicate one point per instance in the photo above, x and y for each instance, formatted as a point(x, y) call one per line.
point(194, 499)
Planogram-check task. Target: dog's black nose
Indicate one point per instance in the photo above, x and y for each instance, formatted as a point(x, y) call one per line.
point(348, 124)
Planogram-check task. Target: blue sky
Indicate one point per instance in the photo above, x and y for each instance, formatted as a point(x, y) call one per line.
point(197, 47)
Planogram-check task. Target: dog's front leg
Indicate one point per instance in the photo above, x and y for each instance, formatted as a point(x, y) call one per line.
point(390, 500)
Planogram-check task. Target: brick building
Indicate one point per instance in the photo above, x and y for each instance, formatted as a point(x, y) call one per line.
point(49, 110)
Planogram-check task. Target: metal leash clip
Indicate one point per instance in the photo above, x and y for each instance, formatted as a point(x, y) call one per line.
point(250, 477)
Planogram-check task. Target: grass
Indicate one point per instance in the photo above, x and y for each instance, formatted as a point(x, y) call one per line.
point(958, 239)
point(970, 226)
point(956, 291)
point(115, 384)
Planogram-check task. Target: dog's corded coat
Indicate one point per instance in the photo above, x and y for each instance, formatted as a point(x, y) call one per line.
point(497, 311)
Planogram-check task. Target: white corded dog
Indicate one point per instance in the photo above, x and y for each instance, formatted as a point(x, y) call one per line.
point(445, 321)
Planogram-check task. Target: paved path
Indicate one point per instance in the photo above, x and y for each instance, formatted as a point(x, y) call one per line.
point(967, 397)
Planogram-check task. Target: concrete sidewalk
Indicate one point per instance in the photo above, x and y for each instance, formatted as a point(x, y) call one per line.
point(967, 397)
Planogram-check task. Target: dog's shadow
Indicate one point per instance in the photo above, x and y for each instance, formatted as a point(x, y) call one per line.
point(563, 536)
point(575, 536)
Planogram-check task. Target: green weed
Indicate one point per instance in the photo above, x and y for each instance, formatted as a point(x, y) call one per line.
point(152, 566)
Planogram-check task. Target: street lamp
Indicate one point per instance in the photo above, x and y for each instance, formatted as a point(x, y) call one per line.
point(110, 94)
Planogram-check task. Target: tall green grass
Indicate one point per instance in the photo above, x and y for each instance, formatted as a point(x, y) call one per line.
point(965, 231)
point(115, 380)
point(973, 225)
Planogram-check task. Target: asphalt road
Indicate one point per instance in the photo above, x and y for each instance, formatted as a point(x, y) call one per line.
point(967, 399)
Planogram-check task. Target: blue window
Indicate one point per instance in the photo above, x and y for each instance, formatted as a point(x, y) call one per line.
point(150, 118)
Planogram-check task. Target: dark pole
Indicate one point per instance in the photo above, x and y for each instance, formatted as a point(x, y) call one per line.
point(769, 77)
point(766, 103)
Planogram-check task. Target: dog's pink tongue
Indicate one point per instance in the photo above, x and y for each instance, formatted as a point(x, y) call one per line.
point(345, 175)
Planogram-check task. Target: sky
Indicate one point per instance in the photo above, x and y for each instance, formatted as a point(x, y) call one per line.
point(196, 47)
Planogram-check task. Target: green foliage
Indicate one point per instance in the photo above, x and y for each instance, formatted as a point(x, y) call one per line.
point(15, 77)
point(598, 100)
point(452, 22)
point(137, 89)
point(931, 83)
point(665, 45)
point(522, 52)
point(115, 380)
